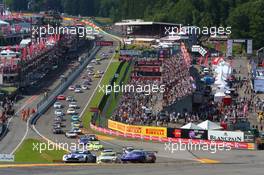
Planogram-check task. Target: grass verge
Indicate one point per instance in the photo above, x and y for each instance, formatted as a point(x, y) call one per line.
point(115, 99)
point(28, 154)
point(96, 99)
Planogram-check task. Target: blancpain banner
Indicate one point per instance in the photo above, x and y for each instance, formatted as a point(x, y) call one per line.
point(227, 136)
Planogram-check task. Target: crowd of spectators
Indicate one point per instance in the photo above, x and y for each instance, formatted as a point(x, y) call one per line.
point(141, 109)
point(177, 79)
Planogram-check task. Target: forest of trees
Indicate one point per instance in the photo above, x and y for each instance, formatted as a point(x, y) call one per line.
point(246, 17)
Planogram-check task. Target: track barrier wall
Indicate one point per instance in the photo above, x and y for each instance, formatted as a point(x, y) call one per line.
point(150, 133)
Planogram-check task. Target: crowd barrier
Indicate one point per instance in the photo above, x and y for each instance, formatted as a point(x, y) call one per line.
point(158, 134)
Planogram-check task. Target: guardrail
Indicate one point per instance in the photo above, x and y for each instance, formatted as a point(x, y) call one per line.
point(48, 101)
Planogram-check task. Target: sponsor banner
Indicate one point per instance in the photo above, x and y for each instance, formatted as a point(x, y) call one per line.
point(187, 133)
point(147, 68)
point(227, 136)
point(233, 145)
point(154, 131)
point(134, 129)
point(7, 158)
point(130, 52)
point(116, 126)
point(104, 43)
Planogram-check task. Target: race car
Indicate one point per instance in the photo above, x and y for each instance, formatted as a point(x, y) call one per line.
point(71, 111)
point(70, 99)
point(73, 105)
point(97, 75)
point(78, 90)
point(57, 105)
point(79, 157)
point(58, 112)
point(75, 124)
point(71, 88)
point(85, 87)
point(61, 97)
point(108, 156)
point(87, 139)
point(95, 146)
point(71, 134)
point(100, 72)
point(139, 156)
point(127, 149)
point(75, 118)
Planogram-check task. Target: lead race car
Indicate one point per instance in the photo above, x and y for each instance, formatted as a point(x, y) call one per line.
point(78, 156)
point(139, 156)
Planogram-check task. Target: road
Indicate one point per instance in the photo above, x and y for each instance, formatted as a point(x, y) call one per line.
point(17, 128)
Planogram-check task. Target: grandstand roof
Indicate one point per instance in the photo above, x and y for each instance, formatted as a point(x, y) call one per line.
point(141, 22)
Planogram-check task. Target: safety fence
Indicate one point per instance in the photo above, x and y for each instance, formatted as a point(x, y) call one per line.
point(43, 106)
point(159, 134)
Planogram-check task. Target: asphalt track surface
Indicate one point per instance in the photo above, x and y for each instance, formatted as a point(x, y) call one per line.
point(168, 162)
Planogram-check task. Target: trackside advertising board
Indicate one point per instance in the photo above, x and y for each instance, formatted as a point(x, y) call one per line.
point(187, 133)
point(137, 130)
point(227, 136)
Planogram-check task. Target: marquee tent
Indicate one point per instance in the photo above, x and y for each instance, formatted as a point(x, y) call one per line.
point(208, 125)
point(191, 126)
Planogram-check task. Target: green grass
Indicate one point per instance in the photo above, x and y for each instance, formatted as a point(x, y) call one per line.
point(99, 95)
point(115, 100)
point(26, 153)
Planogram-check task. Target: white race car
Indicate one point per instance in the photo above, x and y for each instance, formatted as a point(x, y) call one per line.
point(58, 112)
point(108, 156)
point(71, 134)
point(79, 156)
point(71, 111)
point(73, 105)
point(57, 105)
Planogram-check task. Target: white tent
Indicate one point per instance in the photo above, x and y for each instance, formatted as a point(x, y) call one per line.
point(208, 125)
point(191, 126)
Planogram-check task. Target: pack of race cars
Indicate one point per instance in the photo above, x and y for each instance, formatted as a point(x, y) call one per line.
point(90, 153)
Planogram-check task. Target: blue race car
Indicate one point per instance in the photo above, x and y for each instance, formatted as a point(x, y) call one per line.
point(79, 156)
point(87, 139)
point(139, 156)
